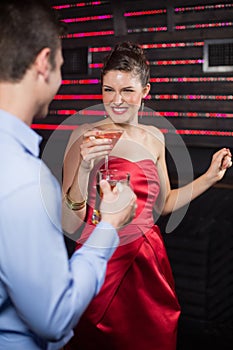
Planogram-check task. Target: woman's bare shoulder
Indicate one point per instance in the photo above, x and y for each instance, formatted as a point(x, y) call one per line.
point(155, 132)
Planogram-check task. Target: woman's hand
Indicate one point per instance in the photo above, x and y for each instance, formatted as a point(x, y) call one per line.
point(221, 161)
point(93, 147)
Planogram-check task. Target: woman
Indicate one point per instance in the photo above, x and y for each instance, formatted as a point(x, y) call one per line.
point(137, 307)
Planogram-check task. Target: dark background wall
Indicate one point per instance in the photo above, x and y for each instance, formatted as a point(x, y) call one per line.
point(191, 88)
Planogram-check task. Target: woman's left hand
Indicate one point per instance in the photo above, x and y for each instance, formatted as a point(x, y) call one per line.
point(221, 161)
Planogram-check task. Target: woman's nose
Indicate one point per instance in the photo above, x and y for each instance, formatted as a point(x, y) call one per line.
point(117, 98)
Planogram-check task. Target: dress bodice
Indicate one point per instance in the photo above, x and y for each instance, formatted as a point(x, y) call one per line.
point(144, 181)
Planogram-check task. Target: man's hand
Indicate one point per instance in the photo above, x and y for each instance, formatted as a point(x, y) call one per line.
point(118, 206)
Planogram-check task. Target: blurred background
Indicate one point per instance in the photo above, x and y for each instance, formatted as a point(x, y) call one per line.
point(189, 45)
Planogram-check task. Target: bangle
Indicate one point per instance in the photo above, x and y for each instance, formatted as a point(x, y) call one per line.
point(72, 204)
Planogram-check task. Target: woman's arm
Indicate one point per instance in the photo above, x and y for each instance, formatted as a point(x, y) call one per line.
point(81, 152)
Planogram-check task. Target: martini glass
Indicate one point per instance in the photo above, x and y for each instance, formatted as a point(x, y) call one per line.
point(113, 134)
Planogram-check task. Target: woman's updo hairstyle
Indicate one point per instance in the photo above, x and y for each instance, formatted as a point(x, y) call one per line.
point(127, 57)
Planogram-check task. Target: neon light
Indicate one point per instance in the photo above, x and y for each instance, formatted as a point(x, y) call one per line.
point(191, 97)
point(53, 127)
point(144, 30)
point(81, 4)
point(80, 82)
point(174, 114)
point(159, 63)
point(204, 25)
point(181, 27)
point(204, 132)
point(154, 46)
point(95, 65)
point(203, 7)
point(100, 49)
point(62, 112)
point(190, 79)
point(145, 13)
point(176, 62)
point(86, 19)
point(180, 132)
point(81, 35)
point(78, 97)
point(169, 45)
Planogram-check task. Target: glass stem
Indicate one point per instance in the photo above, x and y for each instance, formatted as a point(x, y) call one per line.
point(106, 162)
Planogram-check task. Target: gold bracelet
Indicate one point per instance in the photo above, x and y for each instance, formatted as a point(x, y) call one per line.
point(72, 204)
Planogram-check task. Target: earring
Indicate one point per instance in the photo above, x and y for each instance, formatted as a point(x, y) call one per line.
point(141, 109)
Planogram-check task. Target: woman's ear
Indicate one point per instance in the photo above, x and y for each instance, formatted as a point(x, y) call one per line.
point(146, 90)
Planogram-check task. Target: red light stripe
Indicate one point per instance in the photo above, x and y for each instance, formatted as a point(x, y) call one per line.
point(190, 79)
point(100, 49)
point(145, 13)
point(176, 62)
point(80, 81)
point(180, 132)
point(86, 19)
point(169, 45)
point(203, 7)
point(160, 63)
point(53, 127)
point(191, 97)
point(80, 4)
point(81, 35)
point(78, 97)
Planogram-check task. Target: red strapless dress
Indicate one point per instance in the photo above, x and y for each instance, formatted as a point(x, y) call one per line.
point(137, 307)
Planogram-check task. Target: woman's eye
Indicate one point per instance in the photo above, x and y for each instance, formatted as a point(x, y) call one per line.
point(107, 90)
point(128, 90)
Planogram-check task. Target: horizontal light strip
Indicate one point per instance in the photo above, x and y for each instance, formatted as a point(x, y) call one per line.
point(62, 112)
point(191, 97)
point(182, 27)
point(176, 62)
point(151, 29)
point(157, 80)
point(204, 132)
point(80, 81)
point(99, 49)
point(160, 63)
point(145, 30)
point(154, 46)
point(190, 79)
point(86, 34)
point(145, 13)
point(180, 132)
point(148, 114)
point(152, 97)
point(78, 97)
point(204, 25)
point(80, 4)
point(203, 7)
point(53, 127)
point(86, 19)
point(186, 114)
point(172, 45)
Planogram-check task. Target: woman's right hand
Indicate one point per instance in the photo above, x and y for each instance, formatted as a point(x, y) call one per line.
point(93, 147)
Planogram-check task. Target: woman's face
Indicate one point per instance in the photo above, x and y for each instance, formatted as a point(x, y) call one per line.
point(122, 95)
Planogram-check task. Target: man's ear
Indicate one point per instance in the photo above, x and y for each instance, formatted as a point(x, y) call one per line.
point(146, 90)
point(42, 62)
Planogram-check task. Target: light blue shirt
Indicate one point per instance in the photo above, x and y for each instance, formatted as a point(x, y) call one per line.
point(42, 293)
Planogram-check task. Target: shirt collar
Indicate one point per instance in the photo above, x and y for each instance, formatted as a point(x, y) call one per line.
point(21, 132)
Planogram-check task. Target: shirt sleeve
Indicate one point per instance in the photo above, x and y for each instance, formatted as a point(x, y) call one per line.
point(49, 292)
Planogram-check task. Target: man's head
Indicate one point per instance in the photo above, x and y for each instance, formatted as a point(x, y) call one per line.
point(26, 27)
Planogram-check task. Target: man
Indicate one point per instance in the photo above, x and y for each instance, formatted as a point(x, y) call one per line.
point(42, 293)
